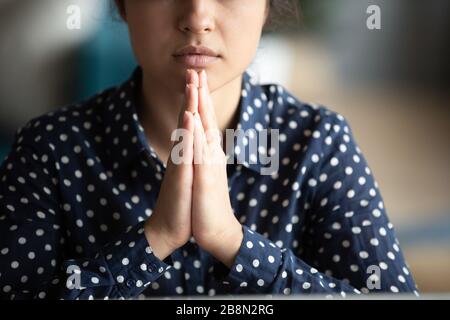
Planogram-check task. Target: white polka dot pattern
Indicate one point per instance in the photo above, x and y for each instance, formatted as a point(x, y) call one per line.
point(80, 182)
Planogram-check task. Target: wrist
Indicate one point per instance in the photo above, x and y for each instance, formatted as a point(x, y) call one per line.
point(225, 247)
point(158, 240)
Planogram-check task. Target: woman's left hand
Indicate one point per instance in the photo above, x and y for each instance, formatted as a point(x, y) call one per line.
point(214, 225)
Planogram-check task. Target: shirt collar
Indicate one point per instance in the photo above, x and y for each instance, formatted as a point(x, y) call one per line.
point(126, 139)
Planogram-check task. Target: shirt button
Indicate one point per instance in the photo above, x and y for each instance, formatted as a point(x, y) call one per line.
point(130, 283)
point(151, 267)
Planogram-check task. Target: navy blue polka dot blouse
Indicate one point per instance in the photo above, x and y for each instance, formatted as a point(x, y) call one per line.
point(80, 182)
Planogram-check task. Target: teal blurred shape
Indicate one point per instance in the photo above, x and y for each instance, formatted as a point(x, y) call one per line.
point(105, 60)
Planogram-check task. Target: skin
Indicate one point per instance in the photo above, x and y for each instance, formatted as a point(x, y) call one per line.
point(193, 199)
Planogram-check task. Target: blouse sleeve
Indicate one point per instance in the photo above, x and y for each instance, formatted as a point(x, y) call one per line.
point(33, 260)
point(349, 244)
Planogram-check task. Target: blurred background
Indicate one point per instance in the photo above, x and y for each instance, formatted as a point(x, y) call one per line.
point(391, 84)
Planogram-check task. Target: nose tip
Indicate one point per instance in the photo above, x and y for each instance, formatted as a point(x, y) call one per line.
point(201, 30)
point(197, 17)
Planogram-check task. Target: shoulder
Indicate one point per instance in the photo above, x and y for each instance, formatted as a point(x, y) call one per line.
point(48, 139)
point(65, 125)
point(302, 122)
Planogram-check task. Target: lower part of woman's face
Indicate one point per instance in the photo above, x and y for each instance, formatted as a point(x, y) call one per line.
point(230, 28)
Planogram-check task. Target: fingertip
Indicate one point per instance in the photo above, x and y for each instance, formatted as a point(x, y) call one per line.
point(191, 98)
point(188, 75)
point(203, 79)
point(195, 78)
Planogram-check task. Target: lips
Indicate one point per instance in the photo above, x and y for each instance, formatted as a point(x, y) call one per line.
point(199, 50)
point(196, 56)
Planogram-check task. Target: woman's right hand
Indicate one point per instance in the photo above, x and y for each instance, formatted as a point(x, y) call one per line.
point(169, 226)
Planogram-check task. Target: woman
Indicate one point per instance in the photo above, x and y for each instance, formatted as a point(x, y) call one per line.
point(104, 199)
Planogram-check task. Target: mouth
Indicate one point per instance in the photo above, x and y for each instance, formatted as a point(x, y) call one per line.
point(196, 56)
point(196, 60)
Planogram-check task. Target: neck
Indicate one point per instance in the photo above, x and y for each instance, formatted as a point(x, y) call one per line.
point(160, 108)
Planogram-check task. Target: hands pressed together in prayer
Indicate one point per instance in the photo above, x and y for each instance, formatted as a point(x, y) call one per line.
point(194, 199)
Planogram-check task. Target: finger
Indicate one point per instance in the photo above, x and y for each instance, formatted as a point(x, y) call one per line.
point(182, 149)
point(201, 128)
point(191, 98)
point(188, 138)
point(191, 78)
point(212, 110)
point(190, 95)
point(196, 84)
point(199, 140)
point(191, 101)
point(204, 104)
point(207, 111)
